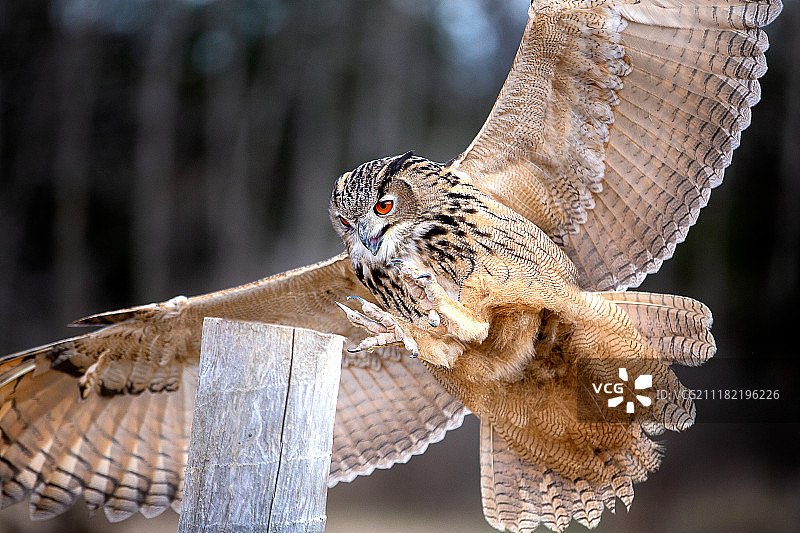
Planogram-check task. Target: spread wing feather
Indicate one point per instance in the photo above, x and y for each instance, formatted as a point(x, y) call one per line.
point(616, 121)
point(387, 414)
point(108, 414)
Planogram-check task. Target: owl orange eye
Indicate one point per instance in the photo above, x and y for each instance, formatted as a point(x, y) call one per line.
point(384, 207)
point(344, 222)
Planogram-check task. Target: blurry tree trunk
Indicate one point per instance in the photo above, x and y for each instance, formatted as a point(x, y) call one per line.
point(71, 169)
point(268, 143)
point(153, 200)
point(380, 85)
point(319, 122)
point(226, 119)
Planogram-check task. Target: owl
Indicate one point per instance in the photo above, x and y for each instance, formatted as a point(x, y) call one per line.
point(492, 306)
point(493, 284)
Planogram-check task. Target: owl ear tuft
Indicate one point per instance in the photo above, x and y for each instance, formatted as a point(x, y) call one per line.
point(398, 163)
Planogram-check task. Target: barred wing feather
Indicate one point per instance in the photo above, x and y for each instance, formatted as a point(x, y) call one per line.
point(108, 414)
point(616, 121)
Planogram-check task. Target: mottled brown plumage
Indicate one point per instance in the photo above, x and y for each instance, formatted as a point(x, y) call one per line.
point(492, 306)
point(615, 122)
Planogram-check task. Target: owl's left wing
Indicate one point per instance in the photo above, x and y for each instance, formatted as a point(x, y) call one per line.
point(123, 442)
point(617, 119)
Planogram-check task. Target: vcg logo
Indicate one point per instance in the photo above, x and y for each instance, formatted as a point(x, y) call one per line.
point(644, 381)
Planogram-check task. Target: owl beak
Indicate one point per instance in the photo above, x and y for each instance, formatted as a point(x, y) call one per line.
point(370, 242)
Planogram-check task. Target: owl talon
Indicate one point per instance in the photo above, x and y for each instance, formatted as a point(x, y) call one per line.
point(359, 319)
point(424, 287)
point(441, 307)
point(384, 327)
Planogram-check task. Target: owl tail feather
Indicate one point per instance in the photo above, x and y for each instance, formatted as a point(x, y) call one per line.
point(520, 494)
point(676, 326)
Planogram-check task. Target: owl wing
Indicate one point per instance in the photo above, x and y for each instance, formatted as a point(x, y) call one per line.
point(616, 121)
point(108, 414)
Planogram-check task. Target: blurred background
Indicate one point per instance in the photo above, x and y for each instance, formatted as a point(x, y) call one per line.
point(150, 148)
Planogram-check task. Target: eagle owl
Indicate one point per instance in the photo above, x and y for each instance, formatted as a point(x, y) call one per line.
point(502, 273)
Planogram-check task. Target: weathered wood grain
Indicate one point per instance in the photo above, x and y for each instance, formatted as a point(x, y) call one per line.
point(262, 430)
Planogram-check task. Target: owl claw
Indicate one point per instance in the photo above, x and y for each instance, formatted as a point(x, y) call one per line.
point(423, 287)
point(441, 308)
point(344, 307)
point(384, 327)
point(357, 318)
point(353, 297)
point(407, 269)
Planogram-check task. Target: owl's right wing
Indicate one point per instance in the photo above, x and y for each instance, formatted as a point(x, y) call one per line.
point(108, 414)
point(617, 119)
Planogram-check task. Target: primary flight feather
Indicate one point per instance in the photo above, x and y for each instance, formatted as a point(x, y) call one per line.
point(497, 272)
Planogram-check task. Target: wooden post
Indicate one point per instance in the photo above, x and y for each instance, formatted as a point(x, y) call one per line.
point(262, 430)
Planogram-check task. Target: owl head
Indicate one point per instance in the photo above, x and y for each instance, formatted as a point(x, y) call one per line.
point(376, 207)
